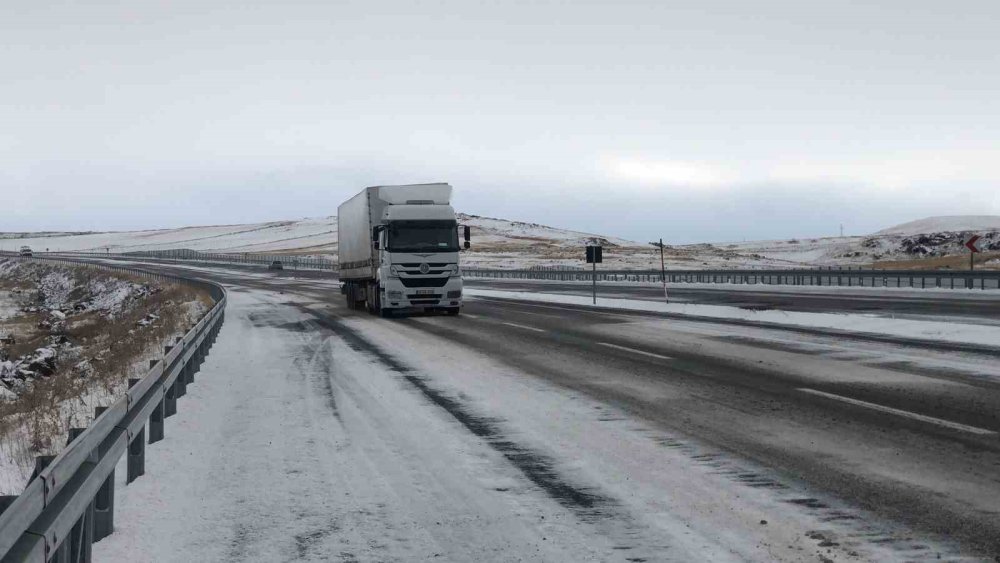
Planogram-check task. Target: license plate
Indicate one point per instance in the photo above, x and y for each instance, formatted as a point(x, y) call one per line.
point(425, 292)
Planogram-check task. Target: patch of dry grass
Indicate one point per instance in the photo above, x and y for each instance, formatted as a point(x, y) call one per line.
point(115, 348)
point(956, 262)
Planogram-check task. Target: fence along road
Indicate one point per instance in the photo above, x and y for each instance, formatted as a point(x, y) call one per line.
point(950, 279)
point(69, 502)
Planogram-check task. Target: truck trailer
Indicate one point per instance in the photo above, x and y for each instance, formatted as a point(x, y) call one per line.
point(398, 249)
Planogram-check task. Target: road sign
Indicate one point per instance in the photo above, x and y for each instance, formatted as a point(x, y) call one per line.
point(595, 255)
point(973, 249)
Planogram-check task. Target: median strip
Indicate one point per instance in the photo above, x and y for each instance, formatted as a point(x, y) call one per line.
point(634, 351)
point(898, 412)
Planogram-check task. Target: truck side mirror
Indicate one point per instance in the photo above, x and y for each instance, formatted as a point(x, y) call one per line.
point(467, 232)
point(375, 244)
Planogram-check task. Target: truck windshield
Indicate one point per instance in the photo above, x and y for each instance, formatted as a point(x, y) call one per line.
point(422, 236)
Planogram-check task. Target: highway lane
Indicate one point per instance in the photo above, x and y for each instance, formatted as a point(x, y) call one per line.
point(868, 436)
point(968, 306)
point(963, 305)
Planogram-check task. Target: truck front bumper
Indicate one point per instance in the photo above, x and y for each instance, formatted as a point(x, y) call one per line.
point(398, 296)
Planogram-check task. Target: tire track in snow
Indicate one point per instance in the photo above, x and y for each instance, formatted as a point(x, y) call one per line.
point(536, 467)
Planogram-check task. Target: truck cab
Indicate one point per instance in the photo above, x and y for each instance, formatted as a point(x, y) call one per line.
point(25, 251)
point(418, 248)
point(413, 245)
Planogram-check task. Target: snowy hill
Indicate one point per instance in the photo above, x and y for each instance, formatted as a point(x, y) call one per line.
point(514, 244)
point(932, 237)
point(945, 223)
point(304, 236)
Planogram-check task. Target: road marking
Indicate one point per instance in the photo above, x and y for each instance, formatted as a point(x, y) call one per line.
point(603, 312)
point(634, 351)
point(522, 326)
point(546, 315)
point(471, 316)
point(898, 412)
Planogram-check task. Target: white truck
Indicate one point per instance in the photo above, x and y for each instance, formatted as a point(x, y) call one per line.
point(398, 249)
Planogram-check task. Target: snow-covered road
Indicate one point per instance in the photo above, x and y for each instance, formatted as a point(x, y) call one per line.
point(527, 433)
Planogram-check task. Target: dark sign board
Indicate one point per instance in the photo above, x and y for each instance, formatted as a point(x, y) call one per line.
point(595, 254)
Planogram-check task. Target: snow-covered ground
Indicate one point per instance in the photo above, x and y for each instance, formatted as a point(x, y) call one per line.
point(367, 440)
point(9, 306)
point(954, 332)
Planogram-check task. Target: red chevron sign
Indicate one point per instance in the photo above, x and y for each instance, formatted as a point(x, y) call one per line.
point(971, 243)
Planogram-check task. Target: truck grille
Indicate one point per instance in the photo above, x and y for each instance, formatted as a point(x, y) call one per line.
point(423, 282)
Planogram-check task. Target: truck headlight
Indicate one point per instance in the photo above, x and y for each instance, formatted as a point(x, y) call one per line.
point(394, 295)
point(456, 270)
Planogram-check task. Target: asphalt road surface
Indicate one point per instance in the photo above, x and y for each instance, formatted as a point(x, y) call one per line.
point(526, 431)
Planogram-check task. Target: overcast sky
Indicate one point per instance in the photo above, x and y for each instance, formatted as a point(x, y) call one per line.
point(695, 121)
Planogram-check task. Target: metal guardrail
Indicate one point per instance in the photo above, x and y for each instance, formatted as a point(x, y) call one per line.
point(69, 502)
point(951, 279)
point(185, 255)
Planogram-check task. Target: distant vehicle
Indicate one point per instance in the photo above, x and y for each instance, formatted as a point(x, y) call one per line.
point(276, 265)
point(399, 249)
point(25, 251)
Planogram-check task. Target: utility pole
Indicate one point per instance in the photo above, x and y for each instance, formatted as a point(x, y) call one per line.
point(663, 273)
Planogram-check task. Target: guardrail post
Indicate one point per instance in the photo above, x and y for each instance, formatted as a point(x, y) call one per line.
point(5, 501)
point(41, 462)
point(180, 384)
point(77, 547)
point(104, 502)
point(181, 381)
point(169, 401)
point(136, 454)
point(156, 422)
